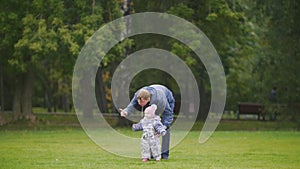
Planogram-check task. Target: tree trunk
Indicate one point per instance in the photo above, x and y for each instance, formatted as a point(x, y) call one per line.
point(65, 96)
point(65, 103)
point(2, 119)
point(47, 102)
point(54, 104)
point(27, 96)
point(2, 92)
point(84, 103)
point(204, 101)
point(100, 93)
point(47, 89)
point(93, 6)
point(17, 99)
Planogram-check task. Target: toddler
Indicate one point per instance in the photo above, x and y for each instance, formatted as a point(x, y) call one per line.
point(152, 129)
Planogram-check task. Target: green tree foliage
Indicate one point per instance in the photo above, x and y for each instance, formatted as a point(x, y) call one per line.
point(257, 42)
point(41, 40)
point(231, 33)
point(280, 59)
point(273, 58)
point(282, 47)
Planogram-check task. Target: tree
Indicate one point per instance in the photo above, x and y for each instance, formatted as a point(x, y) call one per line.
point(37, 45)
point(281, 56)
point(231, 33)
point(10, 33)
point(274, 60)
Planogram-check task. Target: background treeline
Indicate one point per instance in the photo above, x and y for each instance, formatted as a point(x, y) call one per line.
point(258, 43)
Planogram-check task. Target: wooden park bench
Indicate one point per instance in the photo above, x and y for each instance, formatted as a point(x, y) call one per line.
point(251, 108)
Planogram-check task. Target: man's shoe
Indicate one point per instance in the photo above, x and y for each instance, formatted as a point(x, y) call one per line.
point(165, 157)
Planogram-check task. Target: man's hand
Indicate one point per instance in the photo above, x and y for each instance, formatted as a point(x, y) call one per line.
point(123, 113)
point(156, 134)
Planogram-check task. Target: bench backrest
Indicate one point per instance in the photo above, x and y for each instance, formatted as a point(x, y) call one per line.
point(250, 107)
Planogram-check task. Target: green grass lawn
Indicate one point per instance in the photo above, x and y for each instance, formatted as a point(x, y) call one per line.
point(71, 148)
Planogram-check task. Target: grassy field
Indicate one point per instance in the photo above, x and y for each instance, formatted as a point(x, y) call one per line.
point(62, 121)
point(71, 148)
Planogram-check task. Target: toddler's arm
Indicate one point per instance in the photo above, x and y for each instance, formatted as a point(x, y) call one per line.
point(137, 127)
point(160, 128)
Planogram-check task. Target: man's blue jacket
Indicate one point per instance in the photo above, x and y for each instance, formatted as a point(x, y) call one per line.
point(159, 95)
